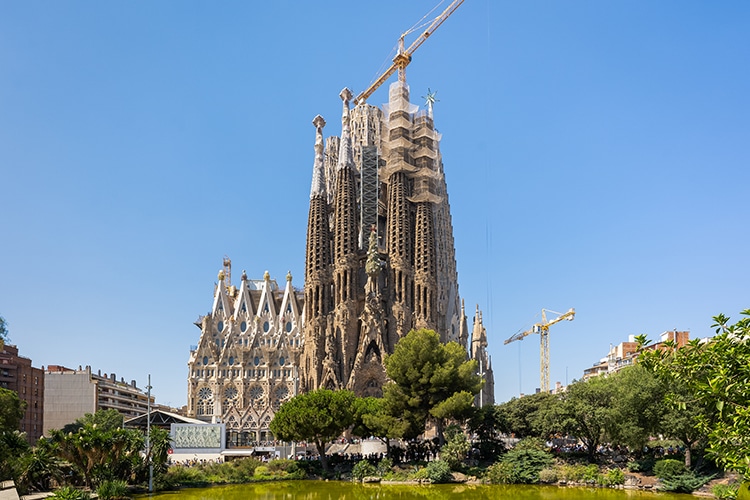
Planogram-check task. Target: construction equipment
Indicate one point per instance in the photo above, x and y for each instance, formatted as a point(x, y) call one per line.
point(403, 57)
point(543, 330)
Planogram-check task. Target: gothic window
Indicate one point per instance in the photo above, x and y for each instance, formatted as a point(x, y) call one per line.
point(266, 326)
point(230, 397)
point(288, 326)
point(220, 326)
point(243, 325)
point(205, 401)
point(257, 400)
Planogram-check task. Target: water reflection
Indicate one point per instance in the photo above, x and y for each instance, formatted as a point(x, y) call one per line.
point(335, 490)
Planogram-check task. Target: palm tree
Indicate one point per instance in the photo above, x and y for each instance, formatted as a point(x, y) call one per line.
point(40, 467)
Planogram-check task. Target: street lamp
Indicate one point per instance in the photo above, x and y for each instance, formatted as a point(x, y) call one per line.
point(148, 437)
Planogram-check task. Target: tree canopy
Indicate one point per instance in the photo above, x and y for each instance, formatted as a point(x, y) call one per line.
point(12, 409)
point(318, 416)
point(717, 377)
point(429, 380)
point(3, 332)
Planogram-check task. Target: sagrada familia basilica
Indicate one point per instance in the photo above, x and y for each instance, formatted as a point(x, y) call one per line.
point(380, 261)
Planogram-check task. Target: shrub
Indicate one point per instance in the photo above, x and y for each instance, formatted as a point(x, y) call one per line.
point(548, 476)
point(501, 473)
point(455, 450)
point(439, 472)
point(363, 469)
point(725, 491)
point(522, 466)
point(645, 466)
point(572, 473)
point(615, 476)
point(262, 472)
point(687, 482)
point(669, 468)
point(113, 490)
point(185, 476)
point(384, 466)
point(70, 493)
point(590, 473)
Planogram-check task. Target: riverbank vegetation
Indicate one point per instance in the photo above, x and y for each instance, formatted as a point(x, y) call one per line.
point(673, 421)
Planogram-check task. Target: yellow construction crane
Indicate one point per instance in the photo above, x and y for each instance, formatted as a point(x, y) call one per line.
point(403, 57)
point(543, 330)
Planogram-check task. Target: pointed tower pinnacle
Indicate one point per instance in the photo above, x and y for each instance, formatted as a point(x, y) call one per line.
point(318, 187)
point(346, 158)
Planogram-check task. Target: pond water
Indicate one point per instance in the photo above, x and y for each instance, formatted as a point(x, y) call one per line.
point(337, 490)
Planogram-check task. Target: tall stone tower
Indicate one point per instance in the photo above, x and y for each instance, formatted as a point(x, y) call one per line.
point(380, 255)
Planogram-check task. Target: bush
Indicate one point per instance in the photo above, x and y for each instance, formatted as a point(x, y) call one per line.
point(113, 490)
point(523, 465)
point(363, 469)
point(455, 450)
point(439, 472)
point(262, 472)
point(590, 473)
point(384, 467)
point(645, 465)
point(687, 482)
point(614, 477)
point(725, 491)
point(573, 473)
point(502, 473)
point(70, 493)
point(669, 468)
point(548, 476)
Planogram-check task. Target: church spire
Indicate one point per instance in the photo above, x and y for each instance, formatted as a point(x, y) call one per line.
point(318, 187)
point(346, 158)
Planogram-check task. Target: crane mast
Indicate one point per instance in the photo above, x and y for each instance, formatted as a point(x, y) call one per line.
point(543, 330)
point(403, 57)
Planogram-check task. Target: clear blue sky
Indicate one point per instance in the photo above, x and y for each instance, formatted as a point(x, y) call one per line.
point(596, 155)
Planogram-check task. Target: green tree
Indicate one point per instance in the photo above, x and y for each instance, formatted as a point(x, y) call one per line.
point(318, 416)
point(486, 424)
point(12, 409)
point(456, 448)
point(716, 374)
point(586, 412)
point(430, 380)
point(681, 416)
point(637, 405)
point(526, 416)
point(371, 418)
point(40, 467)
point(3, 332)
point(161, 443)
point(106, 420)
point(13, 447)
point(101, 454)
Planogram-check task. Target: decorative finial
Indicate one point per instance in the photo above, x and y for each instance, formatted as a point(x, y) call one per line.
point(346, 158)
point(429, 100)
point(221, 275)
point(266, 276)
point(346, 96)
point(244, 275)
point(289, 276)
point(318, 183)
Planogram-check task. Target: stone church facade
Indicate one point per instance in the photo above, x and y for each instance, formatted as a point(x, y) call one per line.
point(380, 261)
